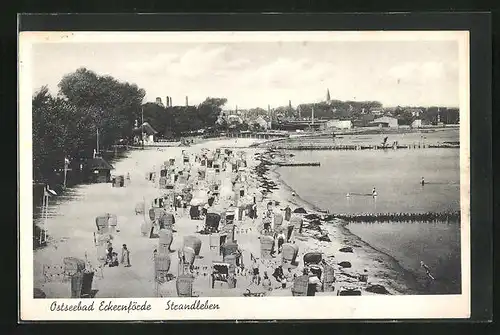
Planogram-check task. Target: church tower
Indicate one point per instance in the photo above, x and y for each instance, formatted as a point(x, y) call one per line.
point(328, 96)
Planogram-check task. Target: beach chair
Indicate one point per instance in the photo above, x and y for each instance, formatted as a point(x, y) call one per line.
point(229, 248)
point(215, 241)
point(140, 208)
point(186, 260)
point(328, 277)
point(266, 246)
point(165, 239)
point(162, 266)
point(300, 285)
point(184, 285)
point(289, 254)
point(224, 273)
point(194, 243)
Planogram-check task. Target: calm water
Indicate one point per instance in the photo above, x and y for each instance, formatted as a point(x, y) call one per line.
point(396, 175)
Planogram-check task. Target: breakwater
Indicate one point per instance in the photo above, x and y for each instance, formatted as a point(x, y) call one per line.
point(363, 147)
point(430, 217)
point(299, 164)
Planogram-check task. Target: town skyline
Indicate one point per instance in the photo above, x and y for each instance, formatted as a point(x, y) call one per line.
point(258, 74)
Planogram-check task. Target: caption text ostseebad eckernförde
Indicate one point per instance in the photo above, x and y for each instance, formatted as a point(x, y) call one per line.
point(109, 306)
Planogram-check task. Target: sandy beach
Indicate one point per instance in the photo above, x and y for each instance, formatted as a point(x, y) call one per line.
point(72, 231)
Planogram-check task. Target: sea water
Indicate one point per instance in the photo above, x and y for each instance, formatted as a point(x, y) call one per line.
point(396, 175)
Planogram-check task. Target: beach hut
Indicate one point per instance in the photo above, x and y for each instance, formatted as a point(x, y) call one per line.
point(98, 170)
point(266, 246)
point(289, 254)
point(194, 243)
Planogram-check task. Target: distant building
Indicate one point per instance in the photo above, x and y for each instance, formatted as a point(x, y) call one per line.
point(385, 122)
point(415, 112)
point(98, 170)
point(158, 102)
point(419, 123)
point(339, 124)
point(147, 131)
point(261, 122)
point(377, 112)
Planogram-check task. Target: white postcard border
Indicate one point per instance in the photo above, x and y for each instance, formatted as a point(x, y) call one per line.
point(318, 307)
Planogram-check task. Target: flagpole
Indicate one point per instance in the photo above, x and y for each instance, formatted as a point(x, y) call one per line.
point(142, 126)
point(97, 142)
point(65, 172)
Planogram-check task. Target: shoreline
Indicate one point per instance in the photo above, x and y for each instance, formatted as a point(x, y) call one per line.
point(73, 226)
point(403, 288)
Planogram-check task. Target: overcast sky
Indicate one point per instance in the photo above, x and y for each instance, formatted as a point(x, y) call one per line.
point(251, 74)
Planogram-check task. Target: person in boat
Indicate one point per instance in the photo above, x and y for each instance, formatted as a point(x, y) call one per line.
point(374, 192)
point(422, 182)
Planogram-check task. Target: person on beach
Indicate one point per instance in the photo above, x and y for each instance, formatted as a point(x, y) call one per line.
point(314, 284)
point(114, 260)
point(255, 272)
point(125, 256)
point(278, 274)
point(281, 240)
point(266, 282)
point(288, 213)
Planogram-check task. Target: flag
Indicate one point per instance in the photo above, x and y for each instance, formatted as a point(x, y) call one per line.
point(48, 192)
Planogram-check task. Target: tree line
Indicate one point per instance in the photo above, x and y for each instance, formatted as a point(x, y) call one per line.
point(87, 104)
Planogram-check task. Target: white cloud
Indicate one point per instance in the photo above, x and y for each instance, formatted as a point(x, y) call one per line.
point(147, 66)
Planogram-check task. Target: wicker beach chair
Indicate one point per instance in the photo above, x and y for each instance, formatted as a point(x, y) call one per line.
point(289, 254)
point(140, 208)
point(184, 285)
point(300, 285)
point(165, 239)
point(328, 277)
point(194, 243)
point(266, 246)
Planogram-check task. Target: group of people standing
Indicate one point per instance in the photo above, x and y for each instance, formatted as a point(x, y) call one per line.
point(112, 256)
